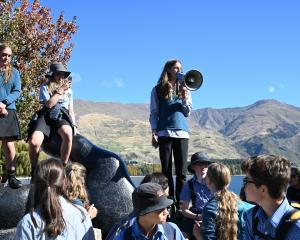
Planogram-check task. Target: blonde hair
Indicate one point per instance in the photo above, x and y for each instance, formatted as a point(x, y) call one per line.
point(227, 217)
point(52, 85)
point(76, 188)
point(8, 69)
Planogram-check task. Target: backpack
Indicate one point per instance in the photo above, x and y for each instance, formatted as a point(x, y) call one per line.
point(283, 228)
point(170, 232)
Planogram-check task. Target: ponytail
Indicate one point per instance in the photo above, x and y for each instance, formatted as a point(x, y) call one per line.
point(227, 218)
point(49, 188)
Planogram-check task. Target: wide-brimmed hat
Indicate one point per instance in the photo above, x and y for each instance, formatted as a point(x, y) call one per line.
point(57, 67)
point(149, 197)
point(199, 157)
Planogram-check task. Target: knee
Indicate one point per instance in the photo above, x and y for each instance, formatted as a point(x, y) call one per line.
point(35, 143)
point(8, 144)
point(67, 136)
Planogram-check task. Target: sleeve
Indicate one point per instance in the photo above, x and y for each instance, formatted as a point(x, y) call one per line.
point(23, 231)
point(209, 221)
point(294, 231)
point(248, 228)
point(178, 233)
point(71, 98)
point(185, 194)
point(187, 105)
point(44, 94)
point(16, 88)
point(154, 111)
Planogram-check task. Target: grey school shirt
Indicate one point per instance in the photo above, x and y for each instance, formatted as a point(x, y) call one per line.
point(78, 225)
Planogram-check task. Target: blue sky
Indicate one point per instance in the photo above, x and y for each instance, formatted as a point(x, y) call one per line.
point(246, 50)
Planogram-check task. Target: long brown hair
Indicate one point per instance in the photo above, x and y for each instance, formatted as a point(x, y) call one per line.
point(164, 87)
point(227, 217)
point(8, 69)
point(49, 186)
point(76, 188)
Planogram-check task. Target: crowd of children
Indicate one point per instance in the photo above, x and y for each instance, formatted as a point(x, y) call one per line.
point(208, 210)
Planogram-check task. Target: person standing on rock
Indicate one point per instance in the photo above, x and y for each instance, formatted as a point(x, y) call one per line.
point(171, 104)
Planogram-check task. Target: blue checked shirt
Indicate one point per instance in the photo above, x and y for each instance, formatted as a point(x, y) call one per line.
point(268, 225)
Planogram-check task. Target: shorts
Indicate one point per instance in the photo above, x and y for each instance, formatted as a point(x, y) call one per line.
point(40, 122)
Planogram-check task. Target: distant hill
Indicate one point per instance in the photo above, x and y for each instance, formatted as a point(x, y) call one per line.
point(267, 126)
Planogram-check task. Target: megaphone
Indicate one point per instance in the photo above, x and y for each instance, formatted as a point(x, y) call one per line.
point(192, 80)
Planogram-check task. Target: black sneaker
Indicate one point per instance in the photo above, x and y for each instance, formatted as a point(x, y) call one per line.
point(13, 182)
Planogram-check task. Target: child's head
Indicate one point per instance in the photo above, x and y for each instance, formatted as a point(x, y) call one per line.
point(199, 163)
point(295, 176)
point(266, 171)
point(57, 71)
point(159, 178)
point(49, 173)
point(76, 188)
point(49, 184)
point(217, 179)
point(151, 203)
point(219, 175)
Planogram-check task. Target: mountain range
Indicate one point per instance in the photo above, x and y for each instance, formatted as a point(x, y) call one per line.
point(264, 127)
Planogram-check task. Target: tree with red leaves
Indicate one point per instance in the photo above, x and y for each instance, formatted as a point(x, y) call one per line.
point(36, 40)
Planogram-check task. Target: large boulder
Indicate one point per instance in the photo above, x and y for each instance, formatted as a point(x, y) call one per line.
point(108, 182)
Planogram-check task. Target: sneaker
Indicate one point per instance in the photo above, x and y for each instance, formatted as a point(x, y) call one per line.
point(13, 182)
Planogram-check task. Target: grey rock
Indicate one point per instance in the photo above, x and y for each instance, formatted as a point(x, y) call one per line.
point(108, 182)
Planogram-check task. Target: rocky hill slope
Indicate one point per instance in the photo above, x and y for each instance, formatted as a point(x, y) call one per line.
point(267, 126)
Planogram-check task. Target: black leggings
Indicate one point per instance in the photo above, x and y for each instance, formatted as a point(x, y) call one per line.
point(179, 147)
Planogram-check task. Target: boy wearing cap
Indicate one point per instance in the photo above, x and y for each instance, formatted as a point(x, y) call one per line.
point(150, 206)
point(266, 181)
point(195, 191)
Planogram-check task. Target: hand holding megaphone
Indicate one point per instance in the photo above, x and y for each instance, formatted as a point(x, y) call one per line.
point(192, 80)
point(183, 91)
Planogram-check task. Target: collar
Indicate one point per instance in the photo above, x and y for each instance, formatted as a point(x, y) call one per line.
point(196, 180)
point(137, 232)
point(278, 214)
point(274, 220)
